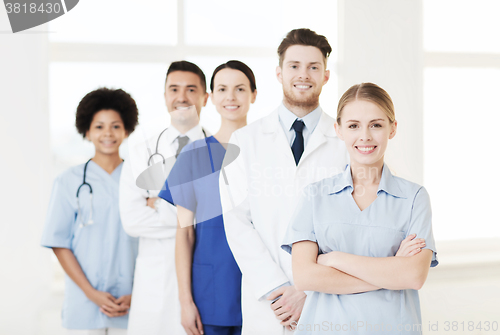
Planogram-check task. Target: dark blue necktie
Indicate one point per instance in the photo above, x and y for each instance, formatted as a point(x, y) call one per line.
point(298, 143)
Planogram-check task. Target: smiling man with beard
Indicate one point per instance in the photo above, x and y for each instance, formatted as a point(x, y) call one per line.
point(155, 306)
point(279, 155)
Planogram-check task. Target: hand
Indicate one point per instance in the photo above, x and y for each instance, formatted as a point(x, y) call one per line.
point(410, 246)
point(107, 303)
point(151, 202)
point(289, 307)
point(323, 259)
point(328, 258)
point(124, 301)
point(190, 319)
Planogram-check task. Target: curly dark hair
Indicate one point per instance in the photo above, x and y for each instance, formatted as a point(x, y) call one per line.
point(105, 98)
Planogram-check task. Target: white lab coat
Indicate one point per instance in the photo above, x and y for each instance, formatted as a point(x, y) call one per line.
point(155, 308)
point(264, 185)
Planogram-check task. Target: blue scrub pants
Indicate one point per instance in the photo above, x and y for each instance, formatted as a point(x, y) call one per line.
point(221, 330)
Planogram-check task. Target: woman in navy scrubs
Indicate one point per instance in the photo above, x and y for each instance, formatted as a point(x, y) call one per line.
point(209, 278)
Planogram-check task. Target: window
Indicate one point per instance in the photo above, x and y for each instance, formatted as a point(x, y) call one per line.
point(133, 50)
point(460, 115)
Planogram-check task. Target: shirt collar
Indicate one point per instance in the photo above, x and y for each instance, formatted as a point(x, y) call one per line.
point(311, 120)
point(193, 134)
point(388, 183)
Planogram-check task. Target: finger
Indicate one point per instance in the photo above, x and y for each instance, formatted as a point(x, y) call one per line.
point(276, 293)
point(277, 308)
point(286, 321)
point(187, 329)
point(193, 329)
point(409, 246)
point(118, 314)
point(419, 245)
point(406, 241)
point(415, 244)
point(412, 246)
point(112, 314)
point(103, 311)
point(292, 321)
point(107, 308)
point(123, 308)
point(284, 317)
point(199, 324)
point(414, 252)
point(110, 297)
point(113, 309)
point(409, 238)
point(417, 241)
point(112, 304)
point(120, 300)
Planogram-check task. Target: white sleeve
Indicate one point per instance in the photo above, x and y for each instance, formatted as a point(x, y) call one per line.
point(254, 259)
point(138, 219)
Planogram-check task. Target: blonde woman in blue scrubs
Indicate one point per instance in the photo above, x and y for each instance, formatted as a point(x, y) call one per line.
point(361, 223)
point(83, 225)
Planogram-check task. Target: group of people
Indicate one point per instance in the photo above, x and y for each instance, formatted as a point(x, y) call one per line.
point(292, 223)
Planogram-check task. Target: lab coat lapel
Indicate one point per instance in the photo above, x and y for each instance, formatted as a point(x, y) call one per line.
point(323, 130)
point(271, 127)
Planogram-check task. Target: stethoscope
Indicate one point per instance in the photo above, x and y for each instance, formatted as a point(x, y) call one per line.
point(90, 220)
point(151, 155)
point(158, 142)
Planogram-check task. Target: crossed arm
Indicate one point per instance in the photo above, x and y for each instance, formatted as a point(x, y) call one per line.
point(342, 273)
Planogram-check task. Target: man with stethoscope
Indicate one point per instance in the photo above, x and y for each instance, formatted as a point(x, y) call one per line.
point(155, 300)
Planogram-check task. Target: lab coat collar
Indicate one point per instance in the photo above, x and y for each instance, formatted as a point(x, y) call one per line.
point(324, 129)
point(288, 118)
point(271, 124)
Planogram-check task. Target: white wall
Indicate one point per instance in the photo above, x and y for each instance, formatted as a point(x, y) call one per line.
point(381, 42)
point(24, 165)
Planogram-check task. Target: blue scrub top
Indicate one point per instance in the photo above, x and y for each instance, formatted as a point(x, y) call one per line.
point(105, 252)
point(328, 215)
point(193, 183)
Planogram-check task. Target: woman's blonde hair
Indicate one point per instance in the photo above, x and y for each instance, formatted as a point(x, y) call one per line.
point(368, 92)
